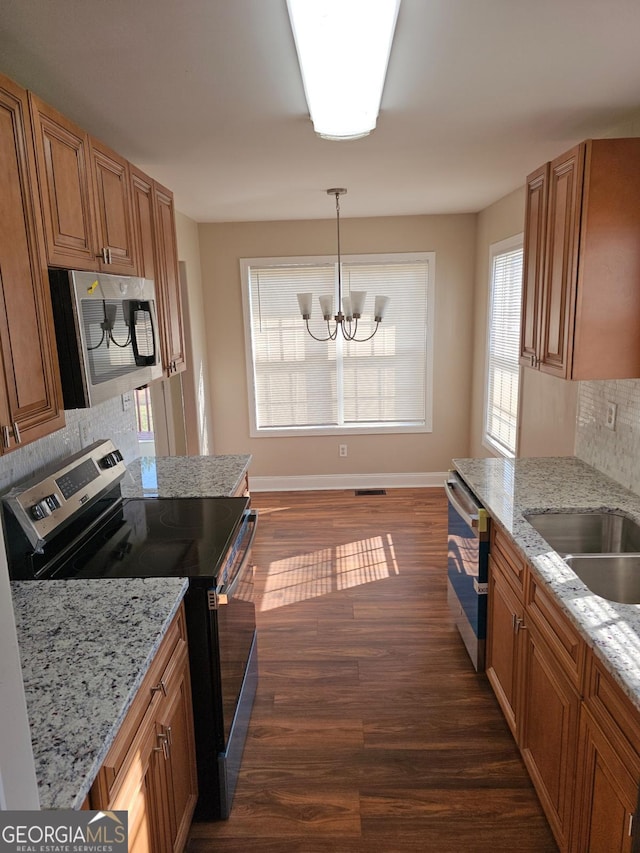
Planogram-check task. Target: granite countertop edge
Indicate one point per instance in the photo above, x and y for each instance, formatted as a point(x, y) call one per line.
point(185, 476)
point(79, 682)
point(511, 488)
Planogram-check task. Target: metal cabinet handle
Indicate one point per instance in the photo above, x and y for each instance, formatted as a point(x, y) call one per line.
point(6, 436)
point(164, 746)
point(519, 624)
point(167, 730)
point(16, 433)
point(160, 686)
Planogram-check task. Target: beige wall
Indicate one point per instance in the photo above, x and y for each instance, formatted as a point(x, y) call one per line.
point(504, 218)
point(452, 238)
point(197, 425)
point(547, 405)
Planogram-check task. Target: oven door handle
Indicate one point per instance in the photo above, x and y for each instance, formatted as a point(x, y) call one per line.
point(225, 592)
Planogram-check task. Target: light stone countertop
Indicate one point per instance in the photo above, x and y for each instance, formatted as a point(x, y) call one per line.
point(86, 645)
point(184, 476)
point(508, 488)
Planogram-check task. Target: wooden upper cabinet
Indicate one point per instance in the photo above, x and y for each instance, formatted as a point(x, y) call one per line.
point(62, 155)
point(30, 396)
point(174, 359)
point(533, 268)
point(84, 195)
point(155, 230)
point(142, 200)
point(584, 320)
point(559, 290)
point(113, 211)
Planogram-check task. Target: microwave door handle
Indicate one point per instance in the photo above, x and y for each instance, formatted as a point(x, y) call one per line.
point(225, 592)
point(141, 360)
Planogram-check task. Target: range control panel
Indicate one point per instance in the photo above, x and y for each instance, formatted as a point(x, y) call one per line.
point(53, 498)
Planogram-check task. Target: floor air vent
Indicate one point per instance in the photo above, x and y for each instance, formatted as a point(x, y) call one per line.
point(363, 492)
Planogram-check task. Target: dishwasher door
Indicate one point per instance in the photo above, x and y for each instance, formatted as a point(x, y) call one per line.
point(467, 567)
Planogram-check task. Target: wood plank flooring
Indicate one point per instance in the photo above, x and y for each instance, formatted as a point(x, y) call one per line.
point(371, 731)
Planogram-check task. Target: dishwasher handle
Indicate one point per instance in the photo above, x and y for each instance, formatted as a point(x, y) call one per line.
point(471, 512)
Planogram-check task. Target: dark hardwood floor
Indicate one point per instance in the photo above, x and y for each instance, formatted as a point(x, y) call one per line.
point(371, 731)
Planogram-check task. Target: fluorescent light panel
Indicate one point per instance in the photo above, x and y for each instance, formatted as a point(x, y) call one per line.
point(343, 50)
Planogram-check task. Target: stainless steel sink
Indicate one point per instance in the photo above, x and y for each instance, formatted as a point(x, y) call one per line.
point(615, 577)
point(587, 532)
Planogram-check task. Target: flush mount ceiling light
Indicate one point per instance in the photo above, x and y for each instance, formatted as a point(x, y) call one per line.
point(353, 304)
point(343, 50)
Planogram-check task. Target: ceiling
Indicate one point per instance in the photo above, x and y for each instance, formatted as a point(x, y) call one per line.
point(206, 96)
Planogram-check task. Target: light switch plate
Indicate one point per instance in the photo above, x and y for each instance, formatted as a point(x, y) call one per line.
point(612, 412)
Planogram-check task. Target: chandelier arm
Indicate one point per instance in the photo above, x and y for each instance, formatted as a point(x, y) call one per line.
point(331, 336)
point(362, 340)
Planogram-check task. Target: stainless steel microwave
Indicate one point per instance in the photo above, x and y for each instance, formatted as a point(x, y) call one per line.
point(107, 335)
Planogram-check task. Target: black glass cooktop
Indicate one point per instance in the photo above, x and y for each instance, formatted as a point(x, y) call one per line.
point(150, 537)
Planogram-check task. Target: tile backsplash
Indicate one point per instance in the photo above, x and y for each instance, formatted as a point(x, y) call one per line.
point(83, 427)
point(615, 452)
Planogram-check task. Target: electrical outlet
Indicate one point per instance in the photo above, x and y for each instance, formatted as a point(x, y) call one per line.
point(85, 434)
point(342, 449)
point(127, 400)
point(612, 411)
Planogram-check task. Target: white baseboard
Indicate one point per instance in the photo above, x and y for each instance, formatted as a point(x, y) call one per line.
point(313, 482)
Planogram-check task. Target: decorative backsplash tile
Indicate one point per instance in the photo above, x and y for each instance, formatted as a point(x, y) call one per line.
point(83, 427)
point(615, 452)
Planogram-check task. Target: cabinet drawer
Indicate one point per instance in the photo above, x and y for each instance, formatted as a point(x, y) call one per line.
point(508, 558)
point(154, 687)
point(614, 711)
point(562, 637)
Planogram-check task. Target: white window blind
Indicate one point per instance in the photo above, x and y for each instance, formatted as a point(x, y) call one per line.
point(302, 385)
point(503, 347)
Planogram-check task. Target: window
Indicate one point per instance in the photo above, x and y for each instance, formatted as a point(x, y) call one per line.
point(299, 386)
point(503, 346)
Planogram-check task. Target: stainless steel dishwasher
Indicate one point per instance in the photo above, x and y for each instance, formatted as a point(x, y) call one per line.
point(467, 566)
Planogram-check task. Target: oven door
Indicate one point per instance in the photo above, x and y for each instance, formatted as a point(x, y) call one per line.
point(224, 672)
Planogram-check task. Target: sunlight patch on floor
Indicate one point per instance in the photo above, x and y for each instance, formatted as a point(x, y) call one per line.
point(326, 570)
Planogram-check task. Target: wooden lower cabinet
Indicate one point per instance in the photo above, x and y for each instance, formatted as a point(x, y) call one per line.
point(606, 795)
point(150, 770)
point(578, 733)
point(504, 643)
point(548, 731)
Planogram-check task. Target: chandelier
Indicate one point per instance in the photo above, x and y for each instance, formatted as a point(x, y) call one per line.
point(352, 305)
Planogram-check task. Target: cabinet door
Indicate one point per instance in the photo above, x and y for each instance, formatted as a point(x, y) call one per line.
point(30, 396)
point(140, 795)
point(62, 155)
point(169, 281)
point(142, 197)
point(504, 643)
point(114, 218)
point(549, 731)
point(535, 230)
point(606, 794)
point(176, 724)
point(561, 262)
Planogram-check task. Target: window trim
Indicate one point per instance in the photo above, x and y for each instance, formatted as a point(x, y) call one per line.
point(501, 247)
point(353, 429)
